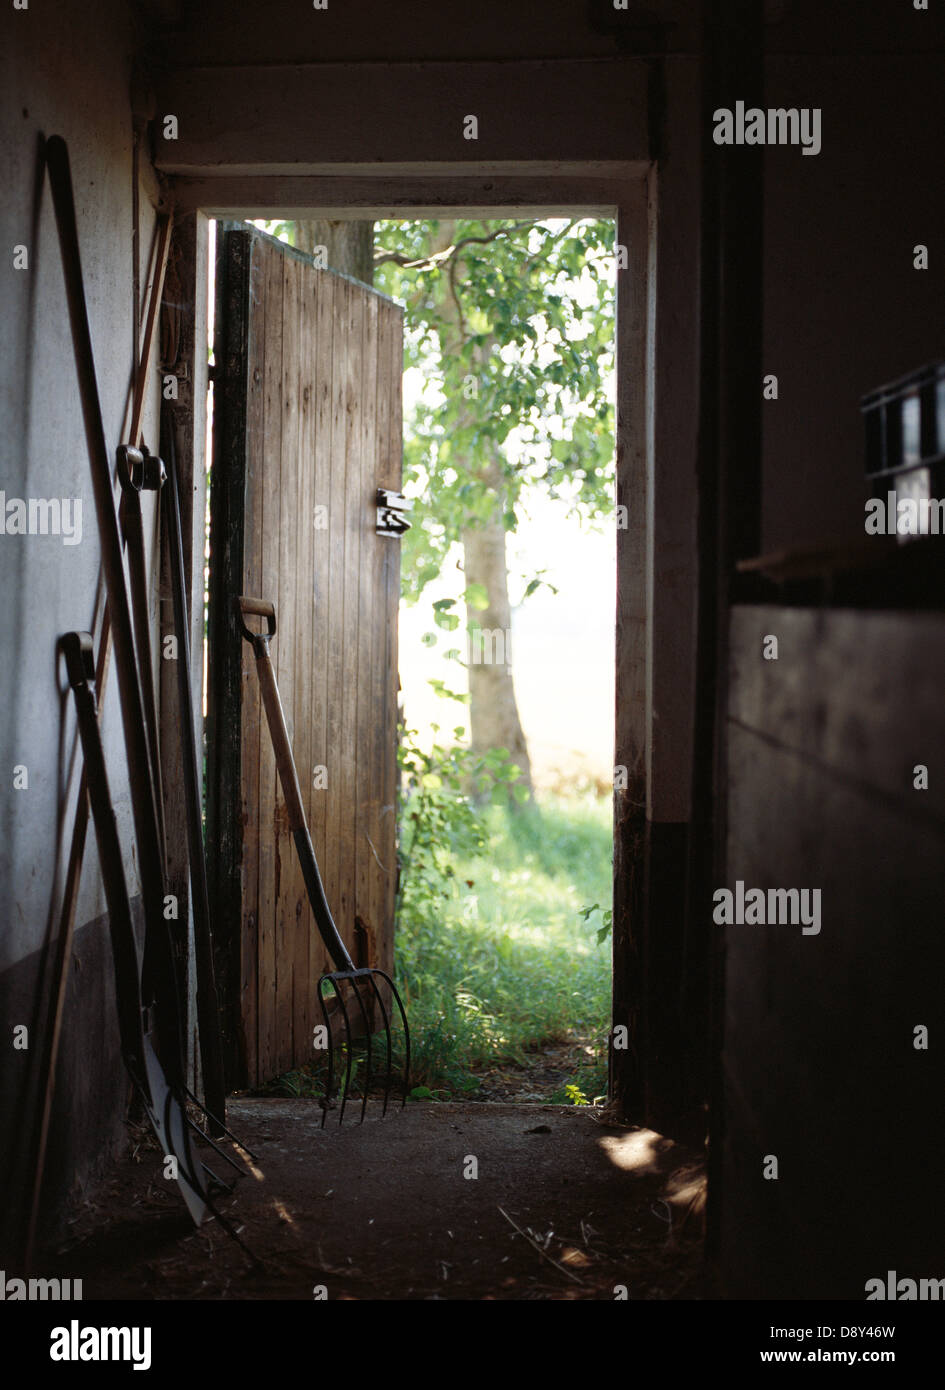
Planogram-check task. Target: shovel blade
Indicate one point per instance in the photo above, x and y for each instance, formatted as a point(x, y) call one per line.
point(169, 1122)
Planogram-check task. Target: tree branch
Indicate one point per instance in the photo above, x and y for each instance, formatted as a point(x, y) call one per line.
point(440, 257)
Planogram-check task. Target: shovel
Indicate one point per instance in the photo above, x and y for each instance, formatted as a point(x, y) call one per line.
point(346, 974)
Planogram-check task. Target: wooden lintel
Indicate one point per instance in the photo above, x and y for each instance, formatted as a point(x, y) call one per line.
point(426, 195)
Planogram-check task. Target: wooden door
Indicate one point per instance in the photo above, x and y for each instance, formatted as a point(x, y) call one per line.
point(307, 403)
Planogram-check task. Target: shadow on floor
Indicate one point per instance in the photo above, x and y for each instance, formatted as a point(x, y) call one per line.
point(451, 1201)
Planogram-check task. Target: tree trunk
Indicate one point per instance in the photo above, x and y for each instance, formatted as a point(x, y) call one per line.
point(493, 711)
point(349, 246)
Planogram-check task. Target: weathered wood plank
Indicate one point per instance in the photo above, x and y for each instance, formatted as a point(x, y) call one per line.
point(188, 422)
point(302, 995)
point(382, 618)
point(334, 859)
point(267, 501)
point(473, 191)
point(288, 889)
point(225, 808)
point(250, 728)
point(389, 475)
point(354, 522)
point(325, 286)
point(368, 616)
point(630, 1066)
point(839, 677)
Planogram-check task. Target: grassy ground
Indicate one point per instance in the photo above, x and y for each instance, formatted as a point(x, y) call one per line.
point(504, 964)
point(508, 963)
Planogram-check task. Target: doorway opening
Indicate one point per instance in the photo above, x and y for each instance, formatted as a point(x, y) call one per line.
point(507, 650)
point(503, 859)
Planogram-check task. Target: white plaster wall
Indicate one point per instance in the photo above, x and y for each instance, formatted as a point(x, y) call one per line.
point(66, 70)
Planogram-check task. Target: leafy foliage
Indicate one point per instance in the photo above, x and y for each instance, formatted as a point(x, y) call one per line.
point(512, 327)
point(607, 920)
point(439, 819)
point(494, 960)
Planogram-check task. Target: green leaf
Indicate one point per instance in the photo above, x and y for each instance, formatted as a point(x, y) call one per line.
point(477, 596)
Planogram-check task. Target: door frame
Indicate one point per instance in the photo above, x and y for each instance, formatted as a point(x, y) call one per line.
point(657, 399)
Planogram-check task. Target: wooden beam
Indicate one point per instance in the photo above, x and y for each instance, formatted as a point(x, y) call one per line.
point(634, 568)
point(184, 335)
point(303, 118)
point(530, 191)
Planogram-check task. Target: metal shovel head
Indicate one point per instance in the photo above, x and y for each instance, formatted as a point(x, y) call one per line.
point(169, 1122)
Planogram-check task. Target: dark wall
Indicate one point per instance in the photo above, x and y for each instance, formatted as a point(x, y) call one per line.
point(844, 309)
point(819, 1064)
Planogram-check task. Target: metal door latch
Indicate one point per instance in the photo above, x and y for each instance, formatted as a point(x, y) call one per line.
point(392, 509)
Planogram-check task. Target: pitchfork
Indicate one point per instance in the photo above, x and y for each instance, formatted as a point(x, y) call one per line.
point(345, 972)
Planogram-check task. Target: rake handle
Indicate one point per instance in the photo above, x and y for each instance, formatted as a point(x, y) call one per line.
point(285, 764)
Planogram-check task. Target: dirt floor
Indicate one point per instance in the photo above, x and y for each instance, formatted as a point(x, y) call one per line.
point(563, 1206)
point(540, 1075)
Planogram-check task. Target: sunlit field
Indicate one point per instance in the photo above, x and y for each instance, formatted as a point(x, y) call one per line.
point(509, 963)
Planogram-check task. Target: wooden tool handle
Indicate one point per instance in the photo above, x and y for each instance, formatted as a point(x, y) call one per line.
point(280, 738)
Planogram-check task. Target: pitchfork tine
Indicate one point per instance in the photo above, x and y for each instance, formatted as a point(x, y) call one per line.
point(380, 1000)
point(331, 1050)
point(367, 1034)
point(403, 1019)
point(348, 1041)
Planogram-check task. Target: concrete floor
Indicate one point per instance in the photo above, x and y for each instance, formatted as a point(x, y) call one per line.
point(386, 1211)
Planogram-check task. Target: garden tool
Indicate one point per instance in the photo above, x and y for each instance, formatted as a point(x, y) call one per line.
point(165, 1107)
point(345, 975)
point(211, 1050)
point(158, 1068)
point(159, 978)
point(53, 1029)
point(165, 1102)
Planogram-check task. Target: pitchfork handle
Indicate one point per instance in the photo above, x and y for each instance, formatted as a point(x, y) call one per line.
point(289, 778)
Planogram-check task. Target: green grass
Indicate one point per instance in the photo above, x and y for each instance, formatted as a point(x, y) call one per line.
point(506, 963)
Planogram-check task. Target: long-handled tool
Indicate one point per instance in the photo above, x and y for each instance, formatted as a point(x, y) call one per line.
point(53, 1029)
point(211, 1052)
point(160, 978)
point(345, 973)
point(164, 1106)
point(164, 1103)
point(139, 471)
point(162, 1068)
